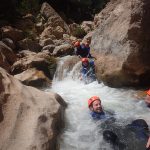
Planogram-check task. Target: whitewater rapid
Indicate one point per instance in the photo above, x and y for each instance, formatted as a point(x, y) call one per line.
point(80, 131)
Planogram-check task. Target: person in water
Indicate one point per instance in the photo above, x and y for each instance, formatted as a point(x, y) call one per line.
point(94, 104)
point(115, 134)
point(147, 99)
point(88, 70)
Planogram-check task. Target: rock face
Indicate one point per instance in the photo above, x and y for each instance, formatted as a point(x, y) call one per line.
point(29, 118)
point(7, 56)
point(30, 45)
point(122, 43)
point(55, 24)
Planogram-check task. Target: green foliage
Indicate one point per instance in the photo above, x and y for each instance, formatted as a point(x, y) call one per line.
point(28, 6)
point(79, 32)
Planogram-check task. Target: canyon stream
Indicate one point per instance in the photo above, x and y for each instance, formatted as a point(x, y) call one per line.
point(81, 132)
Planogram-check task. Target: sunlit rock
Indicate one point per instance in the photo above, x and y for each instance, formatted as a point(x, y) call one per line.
point(122, 42)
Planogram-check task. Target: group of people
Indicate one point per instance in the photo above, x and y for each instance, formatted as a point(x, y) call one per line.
point(88, 67)
point(139, 126)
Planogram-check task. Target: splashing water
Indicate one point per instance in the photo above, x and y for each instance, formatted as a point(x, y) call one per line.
point(81, 131)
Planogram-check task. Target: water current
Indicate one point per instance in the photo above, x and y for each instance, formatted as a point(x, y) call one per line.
point(81, 132)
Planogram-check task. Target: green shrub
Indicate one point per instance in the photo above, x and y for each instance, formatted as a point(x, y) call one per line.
point(79, 32)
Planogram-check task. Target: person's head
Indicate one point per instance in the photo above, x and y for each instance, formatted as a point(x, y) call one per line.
point(77, 44)
point(147, 99)
point(85, 62)
point(148, 93)
point(94, 104)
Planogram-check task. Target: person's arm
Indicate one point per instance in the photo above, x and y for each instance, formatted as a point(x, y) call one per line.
point(148, 144)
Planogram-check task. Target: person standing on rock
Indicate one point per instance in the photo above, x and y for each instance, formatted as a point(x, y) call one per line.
point(147, 99)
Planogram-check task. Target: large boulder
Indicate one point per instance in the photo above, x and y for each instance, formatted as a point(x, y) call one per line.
point(41, 61)
point(122, 42)
point(34, 77)
point(55, 25)
point(29, 118)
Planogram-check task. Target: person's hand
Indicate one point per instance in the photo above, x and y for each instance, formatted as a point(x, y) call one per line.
point(80, 77)
point(148, 144)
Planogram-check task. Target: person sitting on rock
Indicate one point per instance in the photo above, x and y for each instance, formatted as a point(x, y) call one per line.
point(88, 70)
point(94, 104)
point(82, 49)
point(147, 99)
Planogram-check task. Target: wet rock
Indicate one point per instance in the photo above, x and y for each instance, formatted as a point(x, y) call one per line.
point(121, 43)
point(29, 118)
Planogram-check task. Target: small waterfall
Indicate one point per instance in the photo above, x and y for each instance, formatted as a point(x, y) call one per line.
point(65, 65)
point(81, 132)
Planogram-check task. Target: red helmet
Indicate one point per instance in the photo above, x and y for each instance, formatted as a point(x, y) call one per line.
point(76, 44)
point(148, 92)
point(85, 60)
point(92, 99)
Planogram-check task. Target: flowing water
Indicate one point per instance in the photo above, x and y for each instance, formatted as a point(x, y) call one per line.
point(81, 132)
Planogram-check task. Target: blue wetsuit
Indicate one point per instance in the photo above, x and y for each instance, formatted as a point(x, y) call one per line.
point(98, 116)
